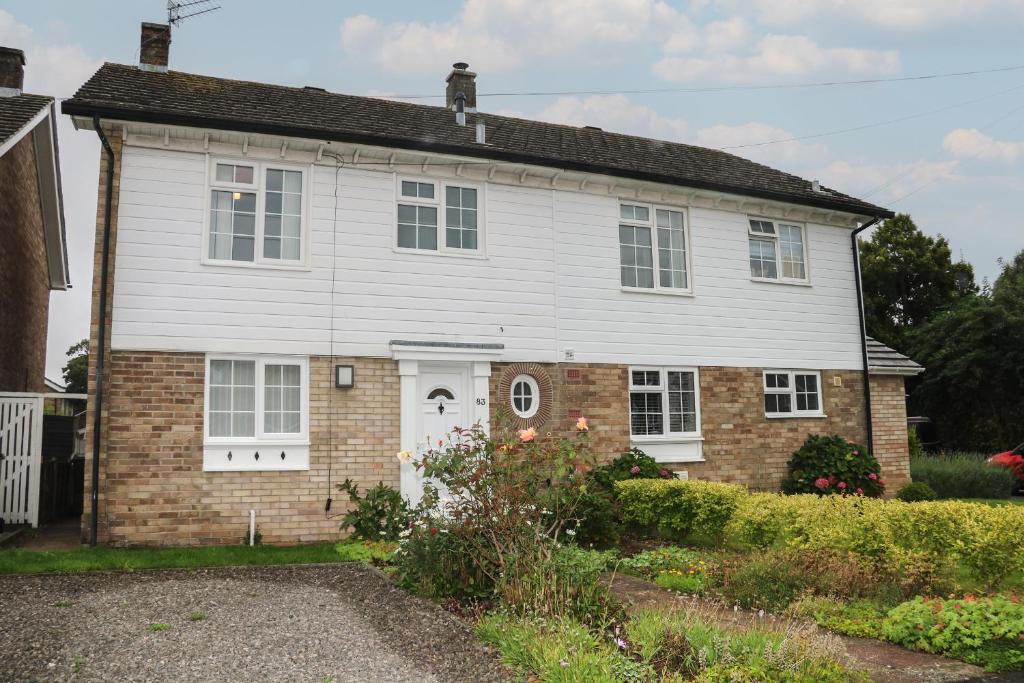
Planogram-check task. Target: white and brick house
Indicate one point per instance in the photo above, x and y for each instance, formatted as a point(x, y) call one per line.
point(302, 283)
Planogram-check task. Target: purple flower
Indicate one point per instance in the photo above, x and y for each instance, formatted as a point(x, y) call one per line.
point(621, 643)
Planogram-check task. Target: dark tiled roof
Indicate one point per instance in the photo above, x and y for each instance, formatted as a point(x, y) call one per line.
point(174, 98)
point(883, 360)
point(17, 111)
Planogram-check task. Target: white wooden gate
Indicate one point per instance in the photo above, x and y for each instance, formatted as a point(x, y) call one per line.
point(21, 448)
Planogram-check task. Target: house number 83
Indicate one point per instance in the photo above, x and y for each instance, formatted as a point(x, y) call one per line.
point(481, 401)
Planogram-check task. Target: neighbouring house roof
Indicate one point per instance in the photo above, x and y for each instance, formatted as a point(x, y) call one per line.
point(885, 361)
point(36, 115)
point(128, 93)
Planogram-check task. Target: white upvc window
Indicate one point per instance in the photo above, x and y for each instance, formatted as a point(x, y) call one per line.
point(525, 396)
point(256, 413)
point(664, 403)
point(444, 217)
point(792, 393)
point(653, 248)
point(257, 213)
point(778, 251)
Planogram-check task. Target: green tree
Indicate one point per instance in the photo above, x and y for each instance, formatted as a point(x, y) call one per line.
point(974, 360)
point(908, 278)
point(76, 372)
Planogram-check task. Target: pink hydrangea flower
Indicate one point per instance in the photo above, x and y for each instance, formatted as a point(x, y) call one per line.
point(635, 469)
point(856, 452)
point(872, 476)
point(663, 473)
point(842, 485)
point(859, 492)
point(821, 483)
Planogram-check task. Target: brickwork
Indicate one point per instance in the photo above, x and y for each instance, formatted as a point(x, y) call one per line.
point(889, 423)
point(153, 482)
point(114, 137)
point(742, 445)
point(24, 274)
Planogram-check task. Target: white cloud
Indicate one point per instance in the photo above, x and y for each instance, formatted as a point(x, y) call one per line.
point(59, 70)
point(777, 57)
point(971, 143)
point(499, 35)
point(615, 113)
point(880, 183)
point(904, 15)
point(793, 154)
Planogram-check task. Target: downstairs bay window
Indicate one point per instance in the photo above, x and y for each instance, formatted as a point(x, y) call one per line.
point(256, 414)
point(664, 413)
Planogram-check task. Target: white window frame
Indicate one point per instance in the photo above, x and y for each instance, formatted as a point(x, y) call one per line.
point(268, 445)
point(439, 202)
point(791, 392)
point(663, 379)
point(776, 239)
point(534, 404)
point(652, 223)
point(260, 168)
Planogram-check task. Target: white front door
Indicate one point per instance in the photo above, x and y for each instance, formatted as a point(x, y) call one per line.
point(443, 405)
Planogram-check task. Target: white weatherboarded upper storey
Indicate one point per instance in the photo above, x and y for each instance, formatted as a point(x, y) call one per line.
point(546, 283)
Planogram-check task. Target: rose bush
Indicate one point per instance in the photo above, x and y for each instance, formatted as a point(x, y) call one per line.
point(832, 465)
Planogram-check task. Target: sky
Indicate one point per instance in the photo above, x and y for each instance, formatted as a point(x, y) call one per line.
point(948, 151)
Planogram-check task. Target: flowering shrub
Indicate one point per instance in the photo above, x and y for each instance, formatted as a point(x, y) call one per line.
point(832, 465)
point(492, 514)
point(378, 516)
point(633, 464)
point(986, 631)
point(650, 563)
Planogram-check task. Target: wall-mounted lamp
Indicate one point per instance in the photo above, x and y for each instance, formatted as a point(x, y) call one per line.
point(344, 376)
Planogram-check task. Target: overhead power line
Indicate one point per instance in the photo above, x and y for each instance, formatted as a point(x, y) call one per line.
point(725, 88)
point(876, 124)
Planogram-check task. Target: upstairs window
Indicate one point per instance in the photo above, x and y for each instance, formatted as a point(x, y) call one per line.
point(653, 253)
point(419, 205)
point(792, 393)
point(663, 402)
point(257, 213)
point(777, 251)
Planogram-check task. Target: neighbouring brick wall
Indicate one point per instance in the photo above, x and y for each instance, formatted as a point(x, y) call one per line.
point(153, 483)
point(24, 273)
point(889, 423)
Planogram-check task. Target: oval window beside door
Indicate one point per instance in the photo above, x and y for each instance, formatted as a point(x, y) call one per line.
point(525, 396)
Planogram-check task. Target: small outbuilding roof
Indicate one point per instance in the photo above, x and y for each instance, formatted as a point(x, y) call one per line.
point(885, 361)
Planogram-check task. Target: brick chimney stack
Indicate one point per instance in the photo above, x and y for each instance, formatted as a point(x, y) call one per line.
point(460, 80)
point(155, 47)
point(12, 71)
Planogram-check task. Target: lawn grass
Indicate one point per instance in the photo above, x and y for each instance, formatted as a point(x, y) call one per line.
point(15, 561)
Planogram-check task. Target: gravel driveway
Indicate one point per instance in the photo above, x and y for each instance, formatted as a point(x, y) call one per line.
point(343, 622)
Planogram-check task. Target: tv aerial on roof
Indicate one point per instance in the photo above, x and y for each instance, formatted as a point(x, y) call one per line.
point(178, 11)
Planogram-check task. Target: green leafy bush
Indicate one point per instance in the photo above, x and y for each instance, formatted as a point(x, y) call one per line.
point(650, 563)
point(633, 464)
point(860, 618)
point(832, 465)
point(985, 631)
point(914, 445)
point(596, 522)
point(377, 552)
point(380, 515)
point(962, 475)
point(683, 582)
point(916, 491)
point(679, 509)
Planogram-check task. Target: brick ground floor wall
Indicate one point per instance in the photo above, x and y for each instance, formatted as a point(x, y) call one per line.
point(153, 489)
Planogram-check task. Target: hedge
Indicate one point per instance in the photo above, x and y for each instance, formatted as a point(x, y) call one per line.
point(987, 540)
point(963, 475)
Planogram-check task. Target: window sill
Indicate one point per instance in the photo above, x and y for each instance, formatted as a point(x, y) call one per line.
point(779, 281)
point(257, 266)
point(791, 416)
point(656, 290)
point(673, 449)
point(674, 438)
point(476, 255)
point(243, 456)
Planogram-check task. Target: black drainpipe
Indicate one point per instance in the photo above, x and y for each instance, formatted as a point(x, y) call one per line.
point(863, 328)
point(102, 334)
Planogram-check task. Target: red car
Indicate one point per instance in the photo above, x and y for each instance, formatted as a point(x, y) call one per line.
point(1013, 459)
